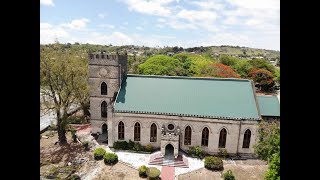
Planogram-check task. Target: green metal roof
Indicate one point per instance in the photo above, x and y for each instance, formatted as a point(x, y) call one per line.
point(269, 105)
point(184, 96)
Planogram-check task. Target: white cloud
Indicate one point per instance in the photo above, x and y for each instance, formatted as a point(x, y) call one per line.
point(160, 26)
point(215, 5)
point(226, 39)
point(123, 27)
point(152, 7)
point(234, 22)
point(231, 20)
point(254, 4)
point(47, 2)
point(116, 38)
point(48, 33)
point(253, 22)
point(175, 24)
point(109, 26)
point(209, 22)
point(161, 20)
point(139, 28)
point(102, 16)
point(192, 15)
point(77, 24)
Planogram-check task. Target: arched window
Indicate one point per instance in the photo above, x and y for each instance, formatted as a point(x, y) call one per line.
point(222, 138)
point(205, 137)
point(104, 113)
point(104, 129)
point(137, 132)
point(246, 139)
point(104, 89)
point(153, 133)
point(97, 56)
point(187, 136)
point(121, 131)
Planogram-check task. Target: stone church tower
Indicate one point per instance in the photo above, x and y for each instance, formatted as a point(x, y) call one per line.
point(106, 72)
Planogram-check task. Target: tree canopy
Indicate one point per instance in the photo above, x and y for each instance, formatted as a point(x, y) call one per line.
point(243, 68)
point(263, 77)
point(223, 71)
point(262, 64)
point(228, 60)
point(161, 65)
point(63, 80)
point(277, 75)
point(268, 147)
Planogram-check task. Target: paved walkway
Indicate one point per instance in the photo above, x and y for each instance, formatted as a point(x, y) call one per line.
point(167, 173)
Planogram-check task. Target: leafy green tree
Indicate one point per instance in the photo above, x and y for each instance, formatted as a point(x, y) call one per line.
point(63, 81)
point(273, 172)
point(269, 139)
point(268, 147)
point(161, 65)
point(277, 75)
point(228, 60)
point(262, 64)
point(194, 64)
point(243, 67)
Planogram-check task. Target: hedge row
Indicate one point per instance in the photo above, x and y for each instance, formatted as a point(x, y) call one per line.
point(134, 146)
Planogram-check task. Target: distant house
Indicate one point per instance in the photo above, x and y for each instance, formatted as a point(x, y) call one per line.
point(170, 53)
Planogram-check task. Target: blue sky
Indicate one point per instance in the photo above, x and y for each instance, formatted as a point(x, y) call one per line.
point(186, 23)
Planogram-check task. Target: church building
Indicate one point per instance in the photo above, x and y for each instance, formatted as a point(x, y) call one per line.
point(175, 112)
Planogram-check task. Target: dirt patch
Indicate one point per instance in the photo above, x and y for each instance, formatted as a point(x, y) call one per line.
point(242, 170)
point(247, 172)
point(118, 171)
point(201, 174)
point(59, 160)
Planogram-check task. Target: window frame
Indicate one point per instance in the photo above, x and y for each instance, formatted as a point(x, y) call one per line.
point(137, 131)
point(187, 135)
point(120, 130)
point(205, 137)
point(153, 133)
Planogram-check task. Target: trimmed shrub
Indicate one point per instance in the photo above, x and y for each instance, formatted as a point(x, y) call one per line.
point(153, 173)
point(85, 144)
point(120, 145)
point(228, 175)
point(213, 163)
point(75, 177)
point(130, 144)
point(223, 153)
point(110, 158)
point(73, 134)
point(143, 171)
point(137, 147)
point(196, 151)
point(149, 148)
point(99, 153)
point(76, 120)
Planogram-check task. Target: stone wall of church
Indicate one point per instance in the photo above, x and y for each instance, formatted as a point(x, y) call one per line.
point(197, 125)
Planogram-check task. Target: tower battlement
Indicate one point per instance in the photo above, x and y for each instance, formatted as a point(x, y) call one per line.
point(104, 58)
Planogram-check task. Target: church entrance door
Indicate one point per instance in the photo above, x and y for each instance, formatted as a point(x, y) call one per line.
point(169, 152)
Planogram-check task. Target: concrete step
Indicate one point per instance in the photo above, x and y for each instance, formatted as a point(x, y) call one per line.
point(169, 163)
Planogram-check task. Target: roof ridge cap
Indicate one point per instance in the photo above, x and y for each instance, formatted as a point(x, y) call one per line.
point(187, 77)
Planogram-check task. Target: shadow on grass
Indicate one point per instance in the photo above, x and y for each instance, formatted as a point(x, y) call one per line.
point(58, 153)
